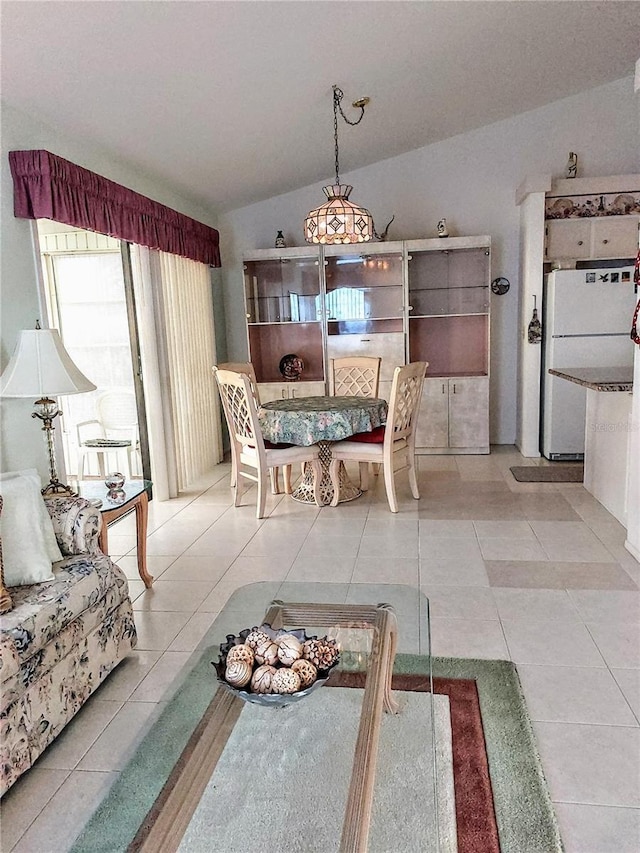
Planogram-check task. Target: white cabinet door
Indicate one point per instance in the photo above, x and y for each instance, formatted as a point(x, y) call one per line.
point(432, 428)
point(614, 237)
point(285, 390)
point(306, 389)
point(568, 238)
point(594, 237)
point(273, 391)
point(469, 412)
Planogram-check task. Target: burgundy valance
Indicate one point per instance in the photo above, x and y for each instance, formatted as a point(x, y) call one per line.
point(46, 186)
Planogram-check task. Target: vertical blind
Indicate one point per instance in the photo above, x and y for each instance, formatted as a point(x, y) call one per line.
point(190, 350)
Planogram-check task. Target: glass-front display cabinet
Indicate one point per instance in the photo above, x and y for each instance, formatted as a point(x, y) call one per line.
point(364, 305)
point(284, 317)
point(448, 326)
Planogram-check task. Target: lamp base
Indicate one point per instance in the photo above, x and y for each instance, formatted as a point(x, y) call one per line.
point(55, 488)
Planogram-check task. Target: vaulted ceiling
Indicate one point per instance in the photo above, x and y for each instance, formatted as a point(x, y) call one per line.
point(230, 102)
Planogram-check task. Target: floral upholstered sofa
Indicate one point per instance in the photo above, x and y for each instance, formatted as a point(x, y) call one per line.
point(60, 639)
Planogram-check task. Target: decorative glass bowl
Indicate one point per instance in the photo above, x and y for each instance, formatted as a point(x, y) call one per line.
point(268, 700)
point(114, 481)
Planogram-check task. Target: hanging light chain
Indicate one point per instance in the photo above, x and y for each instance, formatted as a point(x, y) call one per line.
point(338, 95)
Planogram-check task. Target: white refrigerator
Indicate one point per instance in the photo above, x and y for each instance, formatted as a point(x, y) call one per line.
point(586, 323)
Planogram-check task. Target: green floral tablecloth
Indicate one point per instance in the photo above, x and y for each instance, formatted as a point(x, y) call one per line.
point(306, 420)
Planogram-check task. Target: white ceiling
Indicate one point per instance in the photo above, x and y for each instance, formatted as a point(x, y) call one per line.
point(230, 102)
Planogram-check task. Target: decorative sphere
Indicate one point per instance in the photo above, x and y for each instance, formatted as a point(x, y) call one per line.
point(289, 649)
point(262, 678)
point(238, 673)
point(240, 652)
point(285, 681)
point(306, 672)
point(267, 652)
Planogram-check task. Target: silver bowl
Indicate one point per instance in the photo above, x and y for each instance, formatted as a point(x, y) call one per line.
point(267, 700)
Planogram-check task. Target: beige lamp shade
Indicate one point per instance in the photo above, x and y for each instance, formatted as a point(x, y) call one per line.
point(338, 220)
point(40, 366)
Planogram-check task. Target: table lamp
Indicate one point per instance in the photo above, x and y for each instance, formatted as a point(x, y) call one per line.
point(40, 366)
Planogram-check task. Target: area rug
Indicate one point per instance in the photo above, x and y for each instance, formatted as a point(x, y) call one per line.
point(508, 798)
point(554, 473)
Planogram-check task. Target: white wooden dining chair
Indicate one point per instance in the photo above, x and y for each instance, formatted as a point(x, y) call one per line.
point(254, 455)
point(354, 376)
point(393, 445)
point(247, 368)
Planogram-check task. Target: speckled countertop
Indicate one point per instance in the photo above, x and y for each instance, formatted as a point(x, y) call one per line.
point(599, 378)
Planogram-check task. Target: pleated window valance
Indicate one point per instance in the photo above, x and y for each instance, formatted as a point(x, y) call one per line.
point(46, 186)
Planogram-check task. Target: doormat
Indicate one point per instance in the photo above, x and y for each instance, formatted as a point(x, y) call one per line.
point(554, 473)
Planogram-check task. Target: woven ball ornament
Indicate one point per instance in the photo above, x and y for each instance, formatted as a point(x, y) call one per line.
point(262, 678)
point(306, 671)
point(238, 673)
point(289, 649)
point(285, 681)
point(266, 652)
point(255, 637)
point(241, 652)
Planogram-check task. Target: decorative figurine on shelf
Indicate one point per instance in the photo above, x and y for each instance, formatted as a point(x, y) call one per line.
point(571, 170)
point(280, 241)
point(291, 367)
point(443, 231)
point(535, 327)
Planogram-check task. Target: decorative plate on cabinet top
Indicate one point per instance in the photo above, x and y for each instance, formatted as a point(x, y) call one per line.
point(291, 367)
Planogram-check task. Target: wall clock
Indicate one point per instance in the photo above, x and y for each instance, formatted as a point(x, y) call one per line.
point(500, 285)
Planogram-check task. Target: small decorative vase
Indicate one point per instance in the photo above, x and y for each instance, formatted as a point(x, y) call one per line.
point(280, 241)
point(443, 231)
point(114, 481)
point(116, 496)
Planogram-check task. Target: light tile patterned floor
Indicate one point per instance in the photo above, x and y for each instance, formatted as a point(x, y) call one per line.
point(537, 573)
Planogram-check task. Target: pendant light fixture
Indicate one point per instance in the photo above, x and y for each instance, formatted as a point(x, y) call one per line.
point(339, 220)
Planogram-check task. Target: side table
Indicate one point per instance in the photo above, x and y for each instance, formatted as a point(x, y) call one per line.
point(136, 496)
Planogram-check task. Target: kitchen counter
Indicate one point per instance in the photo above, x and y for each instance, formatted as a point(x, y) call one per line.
point(607, 431)
point(599, 378)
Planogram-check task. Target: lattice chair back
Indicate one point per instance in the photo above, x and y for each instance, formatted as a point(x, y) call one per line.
point(356, 376)
point(240, 408)
point(406, 392)
point(247, 368)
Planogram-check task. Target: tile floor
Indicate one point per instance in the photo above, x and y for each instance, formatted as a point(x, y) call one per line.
point(536, 573)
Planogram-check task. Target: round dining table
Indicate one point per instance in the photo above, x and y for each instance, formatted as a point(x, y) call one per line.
point(321, 420)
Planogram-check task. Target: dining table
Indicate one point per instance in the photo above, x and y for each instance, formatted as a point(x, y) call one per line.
point(320, 420)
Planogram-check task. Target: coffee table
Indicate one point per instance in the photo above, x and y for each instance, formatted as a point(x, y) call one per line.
point(170, 817)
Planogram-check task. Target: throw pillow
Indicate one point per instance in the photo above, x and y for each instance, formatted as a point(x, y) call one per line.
point(44, 519)
point(26, 559)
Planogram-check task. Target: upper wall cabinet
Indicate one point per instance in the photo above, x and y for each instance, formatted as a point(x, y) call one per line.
point(583, 239)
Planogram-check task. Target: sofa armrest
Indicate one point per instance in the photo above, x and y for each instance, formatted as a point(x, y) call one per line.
point(76, 524)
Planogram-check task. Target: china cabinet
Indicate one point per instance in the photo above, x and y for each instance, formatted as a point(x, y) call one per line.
point(448, 286)
point(421, 300)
